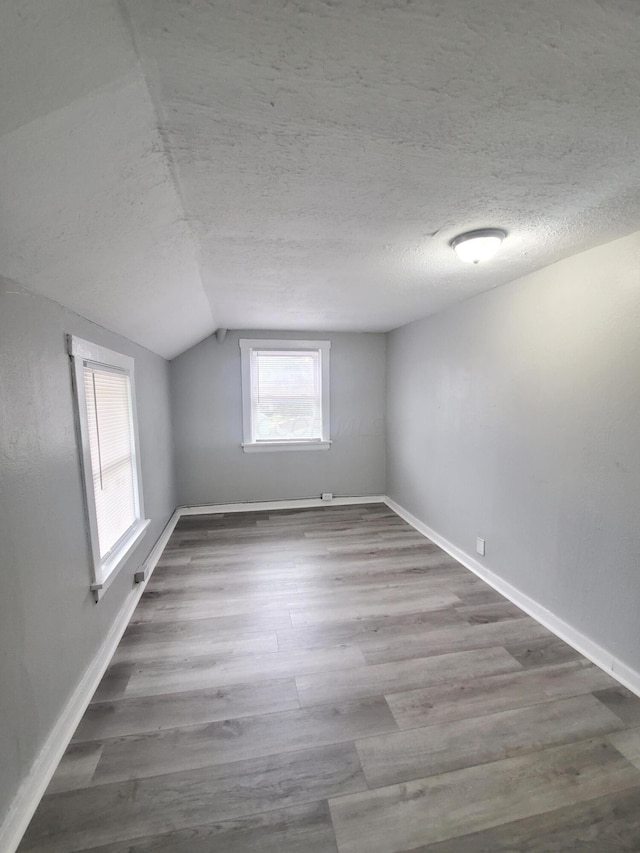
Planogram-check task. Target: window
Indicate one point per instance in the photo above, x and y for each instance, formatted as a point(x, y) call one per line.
point(105, 405)
point(285, 395)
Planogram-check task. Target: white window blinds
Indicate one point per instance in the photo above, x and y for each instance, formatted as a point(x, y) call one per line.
point(286, 395)
point(109, 416)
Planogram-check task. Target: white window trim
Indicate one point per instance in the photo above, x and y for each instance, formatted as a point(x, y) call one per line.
point(103, 572)
point(249, 445)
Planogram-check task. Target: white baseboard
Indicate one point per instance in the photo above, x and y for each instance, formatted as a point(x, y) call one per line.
point(602, 658)
point(35, 784)
point(261, 506)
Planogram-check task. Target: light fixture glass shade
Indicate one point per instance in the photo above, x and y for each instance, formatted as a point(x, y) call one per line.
point(476, 246)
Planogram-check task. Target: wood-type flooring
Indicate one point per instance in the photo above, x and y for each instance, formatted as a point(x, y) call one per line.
point(329, 681)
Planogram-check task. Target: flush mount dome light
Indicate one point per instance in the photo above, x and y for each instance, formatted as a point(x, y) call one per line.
point(476, 246)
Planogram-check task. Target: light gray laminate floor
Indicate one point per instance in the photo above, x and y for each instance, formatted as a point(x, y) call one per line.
point(322, 680)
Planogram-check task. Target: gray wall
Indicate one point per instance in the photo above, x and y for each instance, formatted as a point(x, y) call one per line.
point(50, 628)
point(516, 416)
point(207, 417)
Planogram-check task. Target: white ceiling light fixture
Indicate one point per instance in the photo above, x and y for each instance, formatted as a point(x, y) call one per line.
point(476, 246)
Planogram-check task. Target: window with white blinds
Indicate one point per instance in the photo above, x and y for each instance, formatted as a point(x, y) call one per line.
point(108, 402)
point(106, 411)
point(285, 394)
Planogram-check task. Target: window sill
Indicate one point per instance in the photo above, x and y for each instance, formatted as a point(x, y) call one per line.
point(266, 446)
point(109, 570)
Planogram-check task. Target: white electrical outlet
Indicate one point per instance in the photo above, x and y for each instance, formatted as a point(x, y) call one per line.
point(480, 543)
point(327, 496)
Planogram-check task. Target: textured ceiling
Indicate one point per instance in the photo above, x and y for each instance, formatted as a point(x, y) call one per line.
point(173, 166)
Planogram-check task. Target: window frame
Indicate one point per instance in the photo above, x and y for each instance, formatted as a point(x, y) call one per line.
point(249, 443)
point(82, 352)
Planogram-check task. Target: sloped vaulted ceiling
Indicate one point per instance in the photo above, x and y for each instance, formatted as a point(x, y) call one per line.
point(172, 166)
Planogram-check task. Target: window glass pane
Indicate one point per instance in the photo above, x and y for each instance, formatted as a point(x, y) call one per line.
point(287, 395)
point(112, 458)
